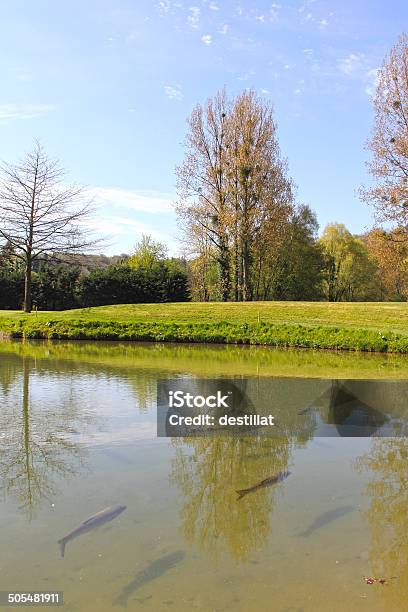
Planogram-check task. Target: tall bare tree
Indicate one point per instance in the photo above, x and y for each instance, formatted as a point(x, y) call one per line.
point(39, 213)
point(389, 142)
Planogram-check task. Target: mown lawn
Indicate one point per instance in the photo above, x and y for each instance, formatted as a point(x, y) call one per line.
point(352, 326)
point(372, 315)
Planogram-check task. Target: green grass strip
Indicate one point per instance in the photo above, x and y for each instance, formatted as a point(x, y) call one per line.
point(221, 332)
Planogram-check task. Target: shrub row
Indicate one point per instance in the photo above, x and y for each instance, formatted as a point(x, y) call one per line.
point(57, 287)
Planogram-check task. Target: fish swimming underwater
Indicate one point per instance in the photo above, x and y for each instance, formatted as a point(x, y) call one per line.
point(100, 518)
point(326, 517)
point(151, 572)
point(267, 482)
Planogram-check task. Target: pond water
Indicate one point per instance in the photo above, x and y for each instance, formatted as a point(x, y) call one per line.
point(78, 434)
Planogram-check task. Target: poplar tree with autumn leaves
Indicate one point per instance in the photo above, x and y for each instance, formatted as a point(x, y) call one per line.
point(389, 169)
point(389, 141)
point(235, 198)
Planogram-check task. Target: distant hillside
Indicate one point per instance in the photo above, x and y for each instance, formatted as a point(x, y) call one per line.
point(86, 263)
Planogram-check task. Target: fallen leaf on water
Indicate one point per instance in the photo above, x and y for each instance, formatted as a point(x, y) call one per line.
point(372, 580)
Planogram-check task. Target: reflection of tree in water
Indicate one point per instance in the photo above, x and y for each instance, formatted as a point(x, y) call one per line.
point(9, 371)
point(112, 361)
point(35, 450)
point(144, 387)
point(209, 471)
point(387, 460)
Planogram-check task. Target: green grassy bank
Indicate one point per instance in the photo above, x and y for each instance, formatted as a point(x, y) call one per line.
point(380, 327)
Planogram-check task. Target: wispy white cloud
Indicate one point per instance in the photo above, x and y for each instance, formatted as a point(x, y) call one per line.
point(117, 226)
point(166, 7)
point(173, 92)
point(305, 6)
point(352, 64)
point(10, 112)
point(356, 66)
point(274, 12)
point(124, 215)
point(194, 18)
point(223, 29)
point(207, 39)
point(312, 61)
point(213, 6)
point(142, 201)
point(307, 16)
point(371, 81)
point(163, 7)
point(122, 233)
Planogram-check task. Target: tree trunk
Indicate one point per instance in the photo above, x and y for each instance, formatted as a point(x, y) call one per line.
point(246, 288)
point(236, 244)
point(224, 264)
point(27, 286)
point(236, 265)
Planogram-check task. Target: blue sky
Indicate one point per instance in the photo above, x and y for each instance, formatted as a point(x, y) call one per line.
point(107, 87)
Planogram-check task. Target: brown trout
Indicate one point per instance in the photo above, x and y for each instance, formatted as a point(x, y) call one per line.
point(100, 518)
point(267, 482)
